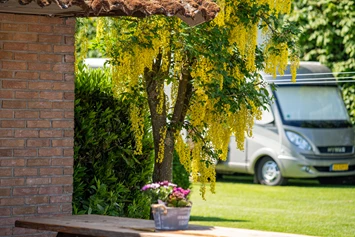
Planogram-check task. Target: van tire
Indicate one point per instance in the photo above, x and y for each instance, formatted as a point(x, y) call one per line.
point(269, 173)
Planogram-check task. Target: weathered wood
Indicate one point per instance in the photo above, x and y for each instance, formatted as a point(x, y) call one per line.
point(108, 226)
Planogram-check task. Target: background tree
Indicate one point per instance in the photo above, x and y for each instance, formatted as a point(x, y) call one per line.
point(203, 80)
point(328, 36)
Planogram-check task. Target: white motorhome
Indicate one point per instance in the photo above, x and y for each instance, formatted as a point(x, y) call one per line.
point(306, 133)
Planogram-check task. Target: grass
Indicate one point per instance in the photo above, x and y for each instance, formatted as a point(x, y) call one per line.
point(301, 207)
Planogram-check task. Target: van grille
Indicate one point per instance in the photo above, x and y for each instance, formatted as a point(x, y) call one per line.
point(335, 149)
point(327, 169)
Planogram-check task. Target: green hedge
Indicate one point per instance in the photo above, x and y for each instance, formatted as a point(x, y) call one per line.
point(107, 175)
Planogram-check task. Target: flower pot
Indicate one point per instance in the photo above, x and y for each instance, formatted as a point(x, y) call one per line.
point(171, 218)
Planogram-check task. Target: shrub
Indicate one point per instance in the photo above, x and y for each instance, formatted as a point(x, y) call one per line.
point(107, 175)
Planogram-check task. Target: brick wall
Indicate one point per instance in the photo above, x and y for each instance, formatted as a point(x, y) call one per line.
point(36, 119)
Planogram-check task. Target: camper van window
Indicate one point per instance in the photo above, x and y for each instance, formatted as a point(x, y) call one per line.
point(311, 103)
point(266, 117)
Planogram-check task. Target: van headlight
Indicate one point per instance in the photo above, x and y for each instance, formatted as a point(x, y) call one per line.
point(298, 141)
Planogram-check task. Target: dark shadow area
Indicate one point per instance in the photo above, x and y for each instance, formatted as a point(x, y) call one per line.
point(213, 219)
point(311, 183)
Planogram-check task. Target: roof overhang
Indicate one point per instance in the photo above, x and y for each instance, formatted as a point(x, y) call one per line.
point(193, 12)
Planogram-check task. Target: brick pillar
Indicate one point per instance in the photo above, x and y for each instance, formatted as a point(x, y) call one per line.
point(36, 119)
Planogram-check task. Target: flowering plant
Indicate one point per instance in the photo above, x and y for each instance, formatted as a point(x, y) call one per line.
point(168, 193)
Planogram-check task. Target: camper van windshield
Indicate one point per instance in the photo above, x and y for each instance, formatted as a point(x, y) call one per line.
point(311, 104)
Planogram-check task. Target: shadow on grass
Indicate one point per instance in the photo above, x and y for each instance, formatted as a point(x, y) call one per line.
point(311, 183)
point(213, 219)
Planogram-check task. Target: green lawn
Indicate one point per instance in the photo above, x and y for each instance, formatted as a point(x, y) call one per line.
point(301, 207)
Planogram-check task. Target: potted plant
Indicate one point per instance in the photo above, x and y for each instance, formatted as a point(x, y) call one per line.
point(170, 205)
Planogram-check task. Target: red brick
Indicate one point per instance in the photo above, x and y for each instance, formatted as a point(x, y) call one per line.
point(51, 20)
point(12, 181)
point(49, 95)
point(26, 95)
point(26, 114)
point(50, 152)
point(60, 199)
point(40, 85)
point(15, 46)
point(40, 105)
point(12, 162)
point(4, 54)
point(65, 86)
point(51, 190)
point(25, 18)
point(24, 232)
point(5, 192)
point(14, 84)
point(64, 30)
point(6, 114)
point(5, 172)
point(40, 28)
point(50, 133)
point(6, 94)
point(62, 162)
point(6, 133)
point(67, 189)
point(6, 36)
point(25, 152)
point(14, 65)
point(70, 21)
point(37, 200)
point(50, 58)
point(38, 162)
point(40, 66)
point(63, 124)
point(69, 59)
point(51, 114)
point(50, 39)
point(51, 171)
point(69, 95)
point(13, 104)
point(24, 210)
point(51, 76)
point(69, 77)
point(4, 231)
point(38, 48)
point(25, 191)
point(69, 133)
point(25, 37)
point(26, 133)
point(5, 153)
point(69, 114)
point(38, 143)
point(68, 171)
point(63, 143)
point(48, 209)
point(26, 56)
point(12, 124)
point(63, 67)
point(27, 75)
point(68, 152)
point(6, 17)
point(14, 27)
point(63, 49)
point(39, 124)
point(25, 171)
point(12, 143)
point(35, 181)
point(63, 105)
point(5, 211)
point(6, 74)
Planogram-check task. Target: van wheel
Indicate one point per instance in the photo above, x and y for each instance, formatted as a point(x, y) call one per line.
point(268, 173)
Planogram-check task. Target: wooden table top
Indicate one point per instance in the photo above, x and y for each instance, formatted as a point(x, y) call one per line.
point(109, 226)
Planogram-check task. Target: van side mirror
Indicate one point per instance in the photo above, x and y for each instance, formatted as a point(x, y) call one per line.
point(267, 117)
